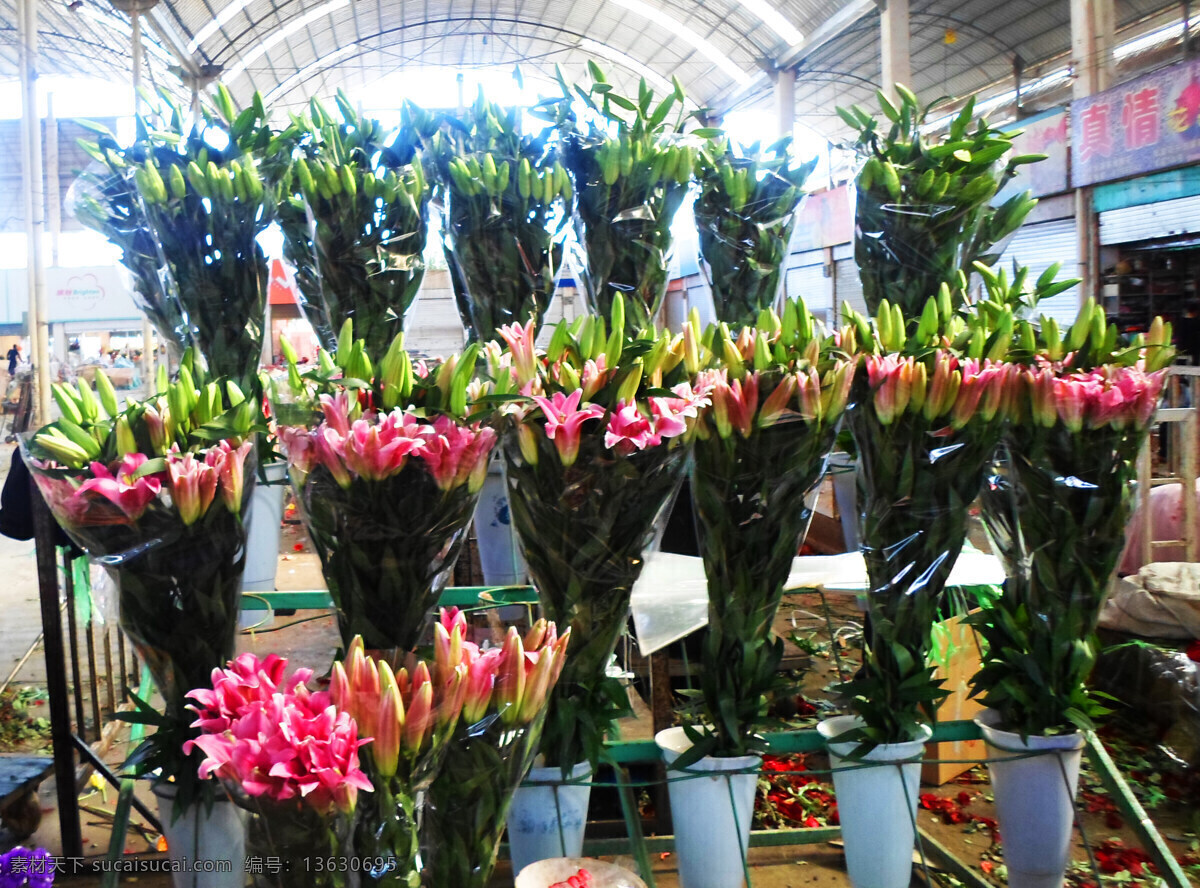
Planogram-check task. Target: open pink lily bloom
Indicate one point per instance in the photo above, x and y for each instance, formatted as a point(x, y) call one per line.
point(564, 421)
point(122, 488)
point(193, 485)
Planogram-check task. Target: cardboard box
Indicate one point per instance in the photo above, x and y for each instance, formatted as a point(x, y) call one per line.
point(957, 652)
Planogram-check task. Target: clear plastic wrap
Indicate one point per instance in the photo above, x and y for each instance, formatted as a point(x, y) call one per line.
point(502, 233)
point(105, 200)
point(386, 498)
point(205, 227)
point(355, 216)
point(921, 465)
point(745, 213)
point(494, 746)
point(923, 216)
point(750, 480)
point(626, 195)
point(1056, 506)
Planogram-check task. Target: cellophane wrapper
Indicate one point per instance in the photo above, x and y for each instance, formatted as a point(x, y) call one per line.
point(368, 264)
point(211, 266)
point(506, 256)
point(744, 253)
point(917, 480)
point(1056, 505)
point(583, 531)
point(387, 548)
point(749, 501)
point(623, 231)
point(179, 585)
point(291, 845)
point(466, 808)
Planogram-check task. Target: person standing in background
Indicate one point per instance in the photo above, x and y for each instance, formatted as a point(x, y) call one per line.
point(14, 358)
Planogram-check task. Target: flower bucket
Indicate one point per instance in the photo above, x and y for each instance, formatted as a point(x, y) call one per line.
point(215, 838)
point(549, 820)
point(843, 468)
point(1034, 800)
point(877, 806)
point(499, 554)
point(712, 815)
point(263, 530)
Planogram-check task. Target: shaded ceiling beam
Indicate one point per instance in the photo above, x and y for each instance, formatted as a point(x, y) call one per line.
point(832, 27)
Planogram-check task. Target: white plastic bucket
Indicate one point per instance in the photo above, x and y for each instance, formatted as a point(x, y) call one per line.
point(499, 554)
point(877, 806)
point(549, 821)
point(1034, 800)
point(203, 840)
point(712, 815)
point(263, 518)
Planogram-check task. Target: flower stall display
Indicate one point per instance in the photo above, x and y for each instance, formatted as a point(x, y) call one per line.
point(156, 493)
point(356, 219)
point(492, 749)
point(289, 756)
point(1056, 508)
point(504, 192)
point(205, 207)
point(631, 168)
point(745, 214)
point(599, 445)
point(598, 449)
point(387, 462)
point(924, 215)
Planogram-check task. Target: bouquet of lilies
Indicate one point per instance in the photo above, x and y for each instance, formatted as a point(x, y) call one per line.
point(156, 491)
point(504, 192)
point(387, 461)
point(745, 214)
point(601, 424)
point(1056, 507)
point(926, 417)
point(777, 400)
point(631, 167)
point(288, 755)
point(355, 216)
point(493, 746)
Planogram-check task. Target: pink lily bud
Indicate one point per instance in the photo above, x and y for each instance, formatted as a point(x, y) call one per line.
point(452, 698)
point(330, 448)
point(339, 686)
point(527, 439)
point(595, 375)
point(520, 340)
point(157, 429)
point(451, 617)
point(942, 388)
point(481, 680)
point(836, 393)
point(232, 474)
point(537, 632)
point(444, 660)
point(419, 718)
point(337, 412)
point(390, 724)
point(1069, 400)
point(537, 686)
point(560, 657)
point(776, 404)
point(193, 486)
point(510, 676)
point(916, 396)
point(970, 391)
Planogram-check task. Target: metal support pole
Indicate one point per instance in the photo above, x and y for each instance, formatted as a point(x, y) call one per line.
point(785, 100)
point(39, 332)
point(53, 178)
point(895, 43)
point(135, 23)
point(56, 677)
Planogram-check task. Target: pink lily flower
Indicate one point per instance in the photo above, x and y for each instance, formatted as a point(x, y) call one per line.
point(193, 485)
point(330, 448)
point(298, 447)
point(735, 404)
point(230, 463)
point(520, 340)
point(122, 488)
point(628, 431)
point(564, 419)
point(594, 377)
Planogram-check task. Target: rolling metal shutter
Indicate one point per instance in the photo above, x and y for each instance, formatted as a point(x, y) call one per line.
point(806, 279)
point(1163, 219)
point(1040, 246)
point(847, 283)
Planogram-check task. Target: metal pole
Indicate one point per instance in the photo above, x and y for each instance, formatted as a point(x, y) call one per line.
point(135, 22)
point(53, 198)
point(39, 330)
